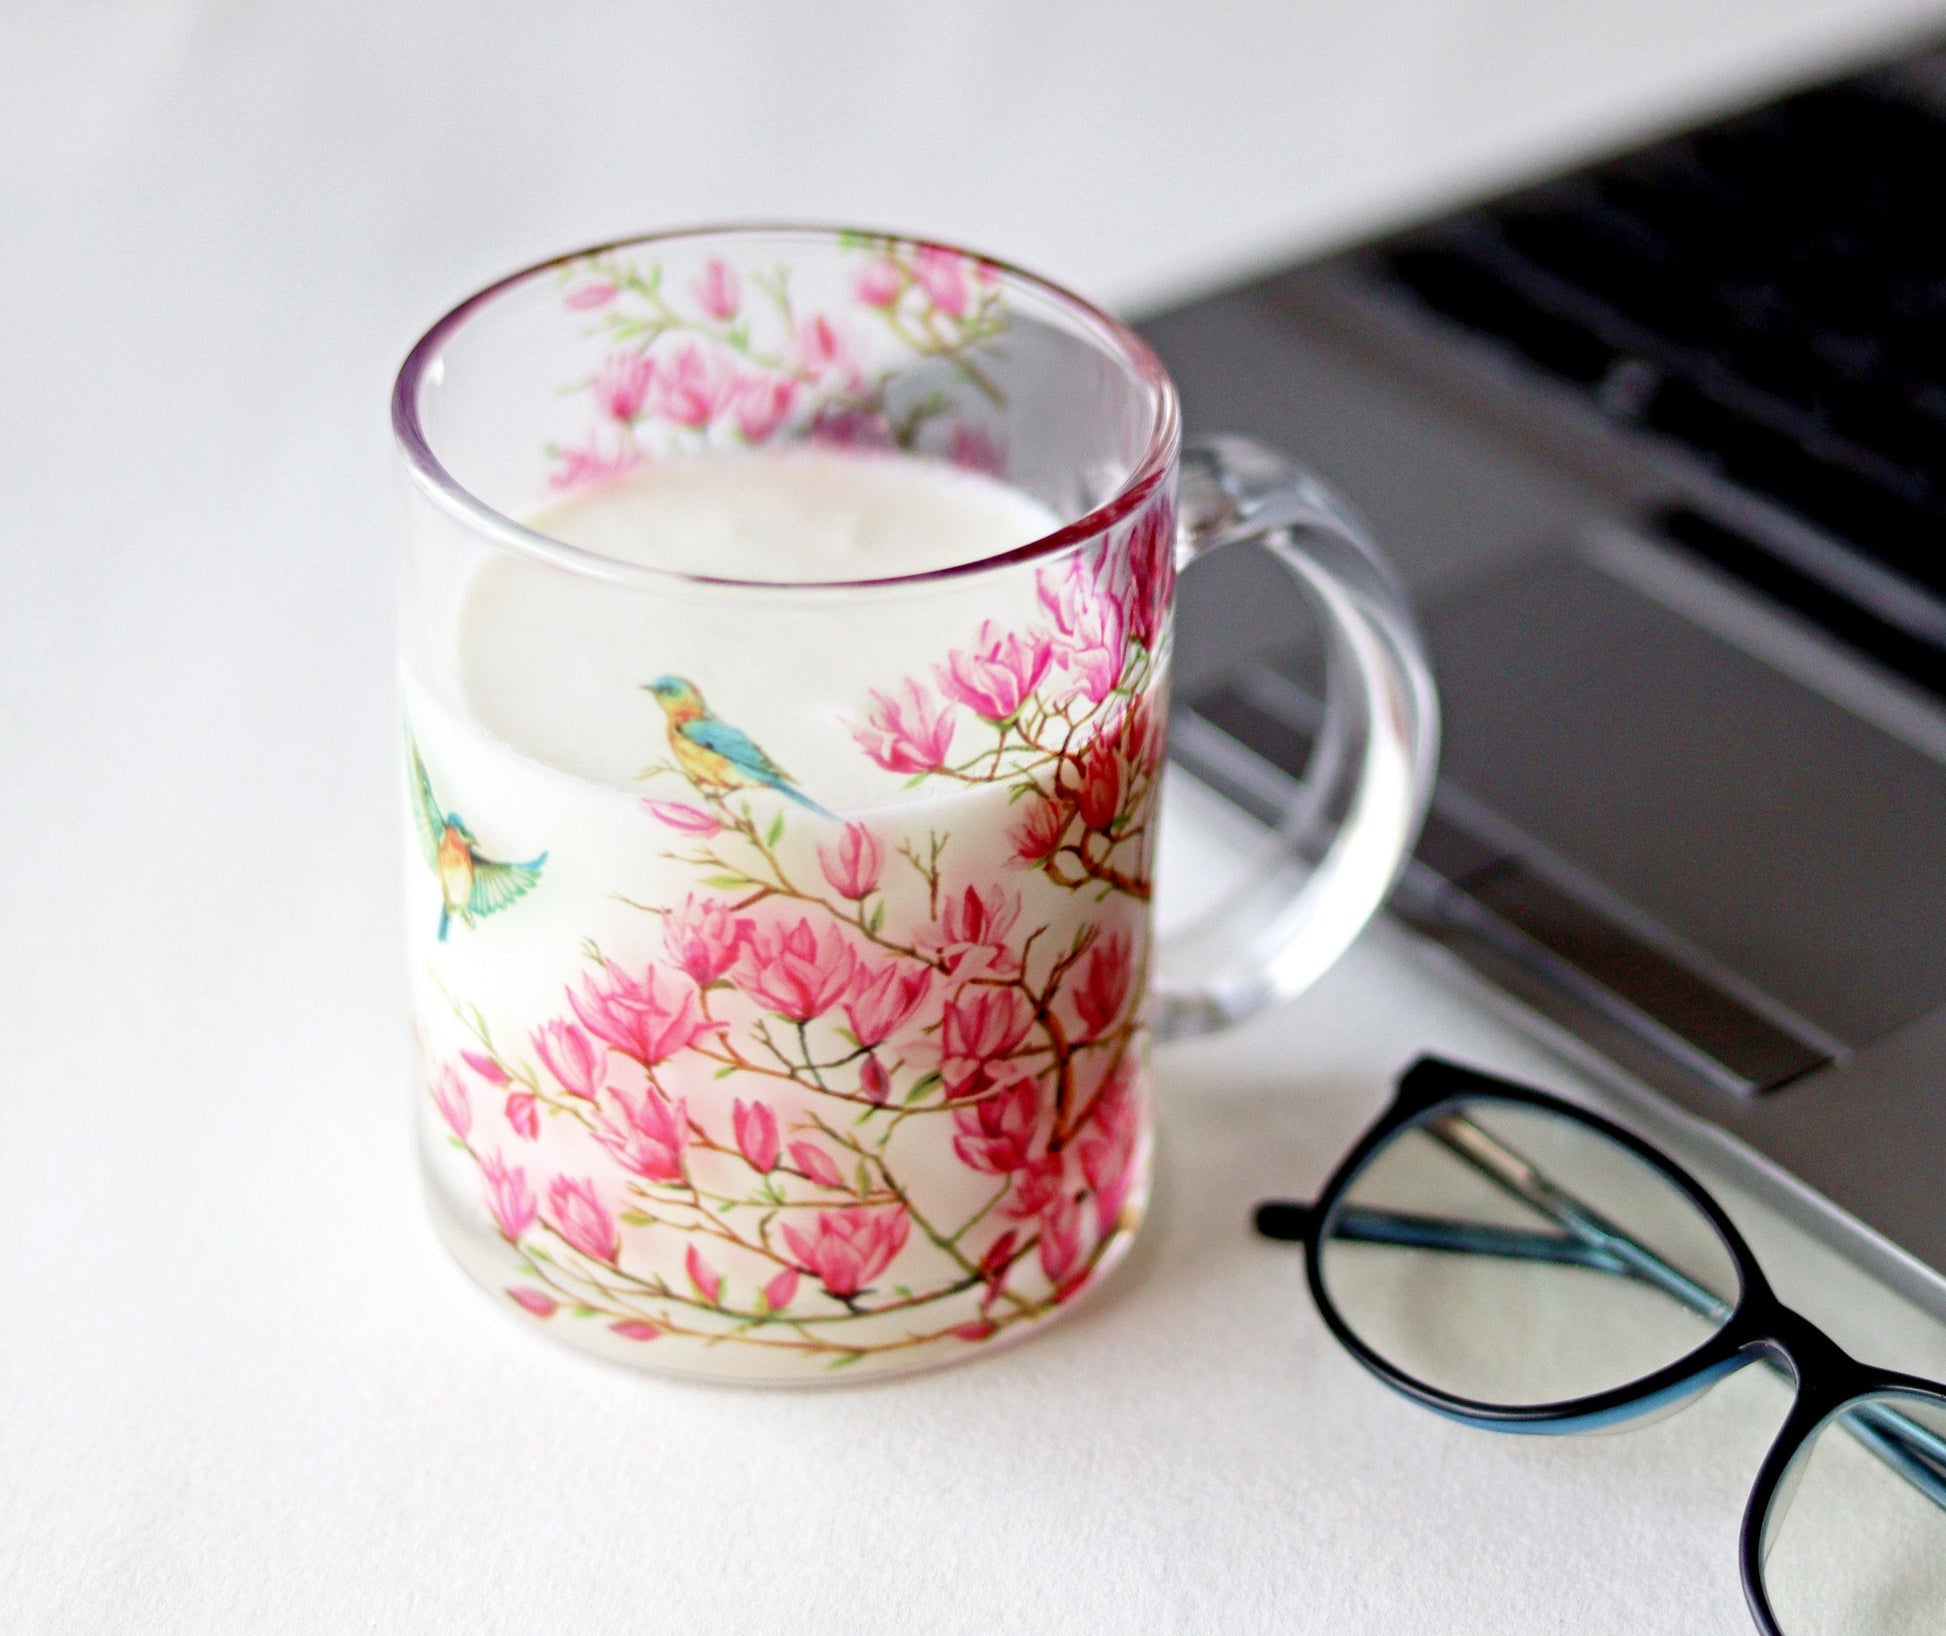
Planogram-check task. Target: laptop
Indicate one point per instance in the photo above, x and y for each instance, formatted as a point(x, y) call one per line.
point(1659, 448)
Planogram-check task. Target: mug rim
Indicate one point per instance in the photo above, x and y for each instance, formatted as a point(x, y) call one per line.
point(430, 476)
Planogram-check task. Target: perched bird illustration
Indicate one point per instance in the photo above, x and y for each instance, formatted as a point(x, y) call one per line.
point(470, 885)
point(715, 755)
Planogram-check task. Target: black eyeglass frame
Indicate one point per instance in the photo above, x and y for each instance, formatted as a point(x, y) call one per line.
point(1827, 1379)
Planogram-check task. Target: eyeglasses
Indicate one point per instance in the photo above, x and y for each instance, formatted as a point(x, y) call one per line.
point(1514, 1262)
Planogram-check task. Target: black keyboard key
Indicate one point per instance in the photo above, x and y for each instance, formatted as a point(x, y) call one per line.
point(1770, 292)
point(1458, 288)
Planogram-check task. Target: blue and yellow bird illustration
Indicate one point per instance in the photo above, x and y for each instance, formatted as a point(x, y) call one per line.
point(470, 884)
point(713, 754)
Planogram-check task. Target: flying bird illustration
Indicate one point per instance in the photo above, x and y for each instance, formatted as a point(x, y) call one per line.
point(714, 754)
point(470, 884)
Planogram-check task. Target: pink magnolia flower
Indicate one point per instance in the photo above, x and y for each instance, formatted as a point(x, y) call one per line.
point(998, 673)
point(703, 938)
point(540, 1305)
point(586, 297)
point(1152, 572)
point(854, 864)
point(1038, 832)
point(649, 1019)
point(756, 1128)
point(680, 815)
point(996, 1134)
point(995, 1263)
point(582, 1219)
point(907, 732)
point(635, 1329)
point(971, 932)
point(1090, 625)
point(645, 1131)
point(817, 1165)
point(1097, 670)
point(879, 283)
point(781, 1290)
point(850, 1247)
point(979, 1024)
point(580, 468)
point(719, 292)
point(693, 386)
point(1060, 1240)
point(1137, 736)
point(763, 403)
point(455, 1106)
point(874, 1081)
point(485, 1067)
point(821, 350)
point(571, 1058)
point(974, 449)
point(882, 1001)
point(941, 273)
point(1036, 1186)
point(1104, 983)
point(847, 426)
point(523, 1113)
point(798, 971)
point(1107, 1152)
point(622, 384)
point(708, 1281)
point(1098, 795)
point(509, 1199)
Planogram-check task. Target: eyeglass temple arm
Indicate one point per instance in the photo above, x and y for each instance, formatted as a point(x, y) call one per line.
point(1417, 1232)
point(1911, 1449)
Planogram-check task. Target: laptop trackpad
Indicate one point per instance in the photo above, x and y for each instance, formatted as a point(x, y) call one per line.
point(1789, 840)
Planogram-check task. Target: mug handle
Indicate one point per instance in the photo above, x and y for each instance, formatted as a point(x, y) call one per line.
point(1346, 838)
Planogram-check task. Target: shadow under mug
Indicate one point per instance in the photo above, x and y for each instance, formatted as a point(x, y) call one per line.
point(798, 1076)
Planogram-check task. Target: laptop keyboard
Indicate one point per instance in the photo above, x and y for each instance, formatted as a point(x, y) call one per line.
point(1769, 292)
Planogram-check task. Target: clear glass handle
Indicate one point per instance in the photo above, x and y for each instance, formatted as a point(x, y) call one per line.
point(1347, 836)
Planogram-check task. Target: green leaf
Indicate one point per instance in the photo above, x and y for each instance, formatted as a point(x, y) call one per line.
point(864, 1178)
point(726, 1207)
point(585, 1312)
point(844, 1358)
point(635, 1218)
point(902, 1292)
point(922, 1084)
point(877, 917)
point(727, 882)
point(725, 1071)
point(776, 831)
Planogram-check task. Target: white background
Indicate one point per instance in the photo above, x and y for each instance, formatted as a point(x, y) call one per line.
point(240, 1386)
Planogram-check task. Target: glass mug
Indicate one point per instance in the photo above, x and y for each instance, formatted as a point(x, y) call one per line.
point(799, 1076)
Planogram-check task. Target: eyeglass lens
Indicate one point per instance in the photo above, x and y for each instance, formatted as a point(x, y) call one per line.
point(1511, 1256)
point(1855, 1543)
point(1514, 1256)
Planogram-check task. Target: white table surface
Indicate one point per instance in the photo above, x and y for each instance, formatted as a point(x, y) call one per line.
point(241, 1388)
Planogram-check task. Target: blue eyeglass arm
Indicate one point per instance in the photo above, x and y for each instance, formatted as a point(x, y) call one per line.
point(1416, 1232)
